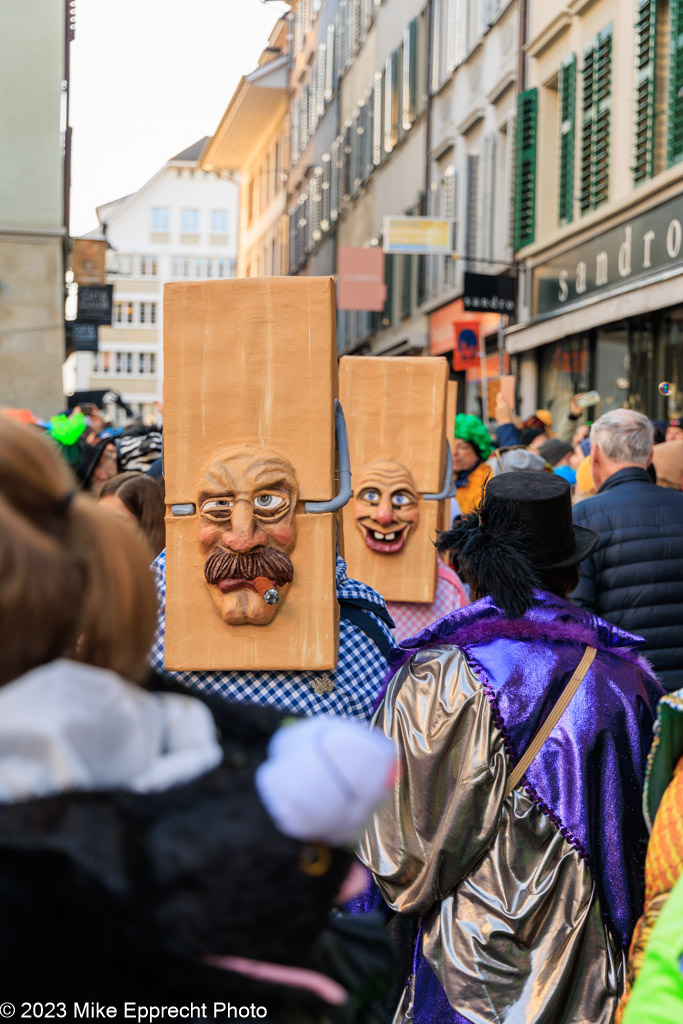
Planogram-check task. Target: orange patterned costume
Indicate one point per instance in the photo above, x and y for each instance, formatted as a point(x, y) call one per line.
point(663, 868)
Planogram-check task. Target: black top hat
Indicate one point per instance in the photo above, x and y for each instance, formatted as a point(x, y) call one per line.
point(91, 455)
point(542, 504)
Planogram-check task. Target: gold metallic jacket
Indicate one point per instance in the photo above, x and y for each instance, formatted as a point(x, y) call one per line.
point(512, 923)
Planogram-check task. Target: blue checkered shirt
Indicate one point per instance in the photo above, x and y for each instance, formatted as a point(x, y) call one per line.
point(355, 682)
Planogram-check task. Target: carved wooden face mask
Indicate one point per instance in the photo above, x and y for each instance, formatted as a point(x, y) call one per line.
point(247, 529)
point(386, 506)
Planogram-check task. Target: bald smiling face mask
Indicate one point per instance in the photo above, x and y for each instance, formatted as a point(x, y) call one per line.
point(386, 506)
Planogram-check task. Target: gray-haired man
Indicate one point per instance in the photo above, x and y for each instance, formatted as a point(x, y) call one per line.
point(634, 578)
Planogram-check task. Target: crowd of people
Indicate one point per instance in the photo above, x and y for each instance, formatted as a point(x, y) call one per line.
point(504, 845)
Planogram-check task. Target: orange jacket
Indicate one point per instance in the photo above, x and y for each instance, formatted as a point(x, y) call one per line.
point(469, 496)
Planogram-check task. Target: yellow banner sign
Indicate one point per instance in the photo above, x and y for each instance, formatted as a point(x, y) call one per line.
point(425, 235)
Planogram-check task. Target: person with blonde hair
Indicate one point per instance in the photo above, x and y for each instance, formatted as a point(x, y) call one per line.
point(140, 828)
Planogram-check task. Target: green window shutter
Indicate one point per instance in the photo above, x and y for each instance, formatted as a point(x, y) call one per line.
point(596, 122)
point(645, 91)
point(525, 168)
point(567, 120)
point(587, 128)
point(603, 95)
point(675, 133)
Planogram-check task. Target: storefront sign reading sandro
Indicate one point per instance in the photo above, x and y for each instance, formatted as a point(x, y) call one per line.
point(639, 248)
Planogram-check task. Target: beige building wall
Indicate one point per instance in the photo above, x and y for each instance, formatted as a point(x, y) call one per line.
point(31, 197)
point(613, 287)
point(262, 207)
point(555, 31)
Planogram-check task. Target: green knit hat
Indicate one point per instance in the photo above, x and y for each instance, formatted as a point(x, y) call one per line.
point(472, 430)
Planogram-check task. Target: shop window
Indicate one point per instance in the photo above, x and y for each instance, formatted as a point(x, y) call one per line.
point(564, 370)
point(612, 359)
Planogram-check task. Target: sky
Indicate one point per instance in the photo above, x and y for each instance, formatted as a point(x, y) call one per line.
point(149, 78)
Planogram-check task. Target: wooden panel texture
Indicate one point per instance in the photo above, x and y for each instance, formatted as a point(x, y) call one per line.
point(396, 411)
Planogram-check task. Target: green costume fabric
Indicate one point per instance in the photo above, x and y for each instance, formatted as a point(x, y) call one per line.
point(657, 996)
point(472, 430)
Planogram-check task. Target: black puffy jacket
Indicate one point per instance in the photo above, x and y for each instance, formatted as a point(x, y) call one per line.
point(634, 578)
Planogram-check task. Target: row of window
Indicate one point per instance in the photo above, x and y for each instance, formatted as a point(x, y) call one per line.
point(128, 312)
point(393, 101)
point(133, 264)
point(202, 266)
point(585, 119)
point(458, 25)
point(189, 220)
point(335, 54)
point(126, 363)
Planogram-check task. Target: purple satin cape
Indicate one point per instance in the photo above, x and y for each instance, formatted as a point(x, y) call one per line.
point(588, 777)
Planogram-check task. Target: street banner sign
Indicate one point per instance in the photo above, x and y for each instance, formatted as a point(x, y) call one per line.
point(87, 260)
point(360, 279)
point(95, 303)
point(82, 337)
point(490, 293)
point(426, 236)
point(466, 349)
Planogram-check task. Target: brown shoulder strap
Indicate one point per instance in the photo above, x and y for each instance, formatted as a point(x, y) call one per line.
point(551, 721)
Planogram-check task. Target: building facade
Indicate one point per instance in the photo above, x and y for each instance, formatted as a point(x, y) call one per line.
point(33, 212)
point(599, 221)
point(252, 141)
point(475, 70)
point(181, 225)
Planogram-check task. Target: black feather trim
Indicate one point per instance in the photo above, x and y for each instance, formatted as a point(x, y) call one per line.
point(491, 548)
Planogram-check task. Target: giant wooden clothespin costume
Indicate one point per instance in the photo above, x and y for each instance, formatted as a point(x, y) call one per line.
point(249, 450)
point(400, 460)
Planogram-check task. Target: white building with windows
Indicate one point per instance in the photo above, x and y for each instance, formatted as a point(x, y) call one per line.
point(181, 225)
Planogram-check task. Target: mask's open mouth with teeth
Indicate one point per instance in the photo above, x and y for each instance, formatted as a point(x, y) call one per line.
point(385, 543)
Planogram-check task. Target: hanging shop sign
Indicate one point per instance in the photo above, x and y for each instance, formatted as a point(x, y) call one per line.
point(425, 236)
point(88, 260)
point(640, 248)
point(490, 293)
point(82, 337)
point(360, 279)
point(95, 303)
point(466, 348)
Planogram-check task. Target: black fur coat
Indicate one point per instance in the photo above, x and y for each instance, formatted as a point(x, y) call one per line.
point(113, 896)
